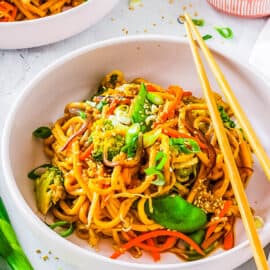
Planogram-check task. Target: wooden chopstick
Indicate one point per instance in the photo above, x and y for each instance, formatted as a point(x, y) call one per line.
point(234, 104)
point(232, 169)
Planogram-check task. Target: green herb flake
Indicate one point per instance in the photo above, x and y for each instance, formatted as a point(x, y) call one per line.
point(228, 123)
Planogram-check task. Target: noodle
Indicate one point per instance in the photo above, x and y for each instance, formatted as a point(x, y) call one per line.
point(115, 170)
point(18, 10)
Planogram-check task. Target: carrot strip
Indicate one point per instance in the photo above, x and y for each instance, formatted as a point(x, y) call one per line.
point(228, 242)
point(170, 241)
point(135, 241)
point(155, 255)
point(224, 210)
point(87, 152)
point(112, 107)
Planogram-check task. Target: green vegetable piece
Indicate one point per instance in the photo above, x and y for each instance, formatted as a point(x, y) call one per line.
point(10, 249)
point(198, 22)
point(156, 170)
point(185, 145)
point(138, 114)
point(155, 98)
point(206, 37)
point(162, 158)
point(36, 172)
point(62, 223)
point(114, 144)
point(82, 115)
point(101, 104)
point(131, 141)
point(225, 32)
point(198, 236)
point(42, 132)
point(49, 189)
point(175, 213)
point(160, 181)
point(150, 137)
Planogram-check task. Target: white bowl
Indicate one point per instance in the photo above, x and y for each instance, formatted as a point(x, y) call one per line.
point(38, 32)
point(164, 60)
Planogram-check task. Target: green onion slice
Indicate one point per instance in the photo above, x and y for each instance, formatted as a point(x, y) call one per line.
point(198, 22)
point(225, 32)
point(36, 172)
point(61, 224)
point(185, 145)
point(42, 132)
point(161, 157)
point(82, 115)
point(206, 37)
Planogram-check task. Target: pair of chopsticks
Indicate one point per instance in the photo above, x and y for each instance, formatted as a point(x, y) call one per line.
point(235, 180)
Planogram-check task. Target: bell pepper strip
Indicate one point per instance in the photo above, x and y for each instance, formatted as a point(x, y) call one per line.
point(84, 155)
point(10, 249)
point(176, 134)
point(228, 242)
point(135, 241)
point(223, 212)
point(156, 255)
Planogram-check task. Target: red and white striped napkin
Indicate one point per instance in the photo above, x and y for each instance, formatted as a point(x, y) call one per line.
point(244, 8)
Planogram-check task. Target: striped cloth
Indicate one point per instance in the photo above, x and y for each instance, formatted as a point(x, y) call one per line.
point(245, 8)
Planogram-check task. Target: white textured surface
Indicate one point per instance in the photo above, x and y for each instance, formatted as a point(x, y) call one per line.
point(156, 16)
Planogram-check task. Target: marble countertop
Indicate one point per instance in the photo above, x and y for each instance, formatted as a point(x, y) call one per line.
point(18, 67)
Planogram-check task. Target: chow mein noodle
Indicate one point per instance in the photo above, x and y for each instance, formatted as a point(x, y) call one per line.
point(18, 10)
point(141, 165)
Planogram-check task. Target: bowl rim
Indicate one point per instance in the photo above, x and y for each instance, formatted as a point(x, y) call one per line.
point(28, 214)
point(46, 18)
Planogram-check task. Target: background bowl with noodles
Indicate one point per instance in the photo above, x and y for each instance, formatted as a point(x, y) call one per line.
point(163, 60)
point(53, 28)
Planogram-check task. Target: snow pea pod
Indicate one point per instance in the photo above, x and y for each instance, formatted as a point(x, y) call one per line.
point(138, 114)
point(175, 213)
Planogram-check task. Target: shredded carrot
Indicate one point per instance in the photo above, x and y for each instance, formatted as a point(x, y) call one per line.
point(224, 210)
point(151, 88)
point(137, 241)
point(228, 242)
point(87, 152)
point(178, 92)
point(155, 255)
point(170, 241)
point(112, 107)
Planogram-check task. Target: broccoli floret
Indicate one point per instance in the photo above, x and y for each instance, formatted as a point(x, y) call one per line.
point(113, 143)
point(49, 189)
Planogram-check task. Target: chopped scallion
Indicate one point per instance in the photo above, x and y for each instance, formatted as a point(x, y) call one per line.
point(225, 32)
point(42, 132)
